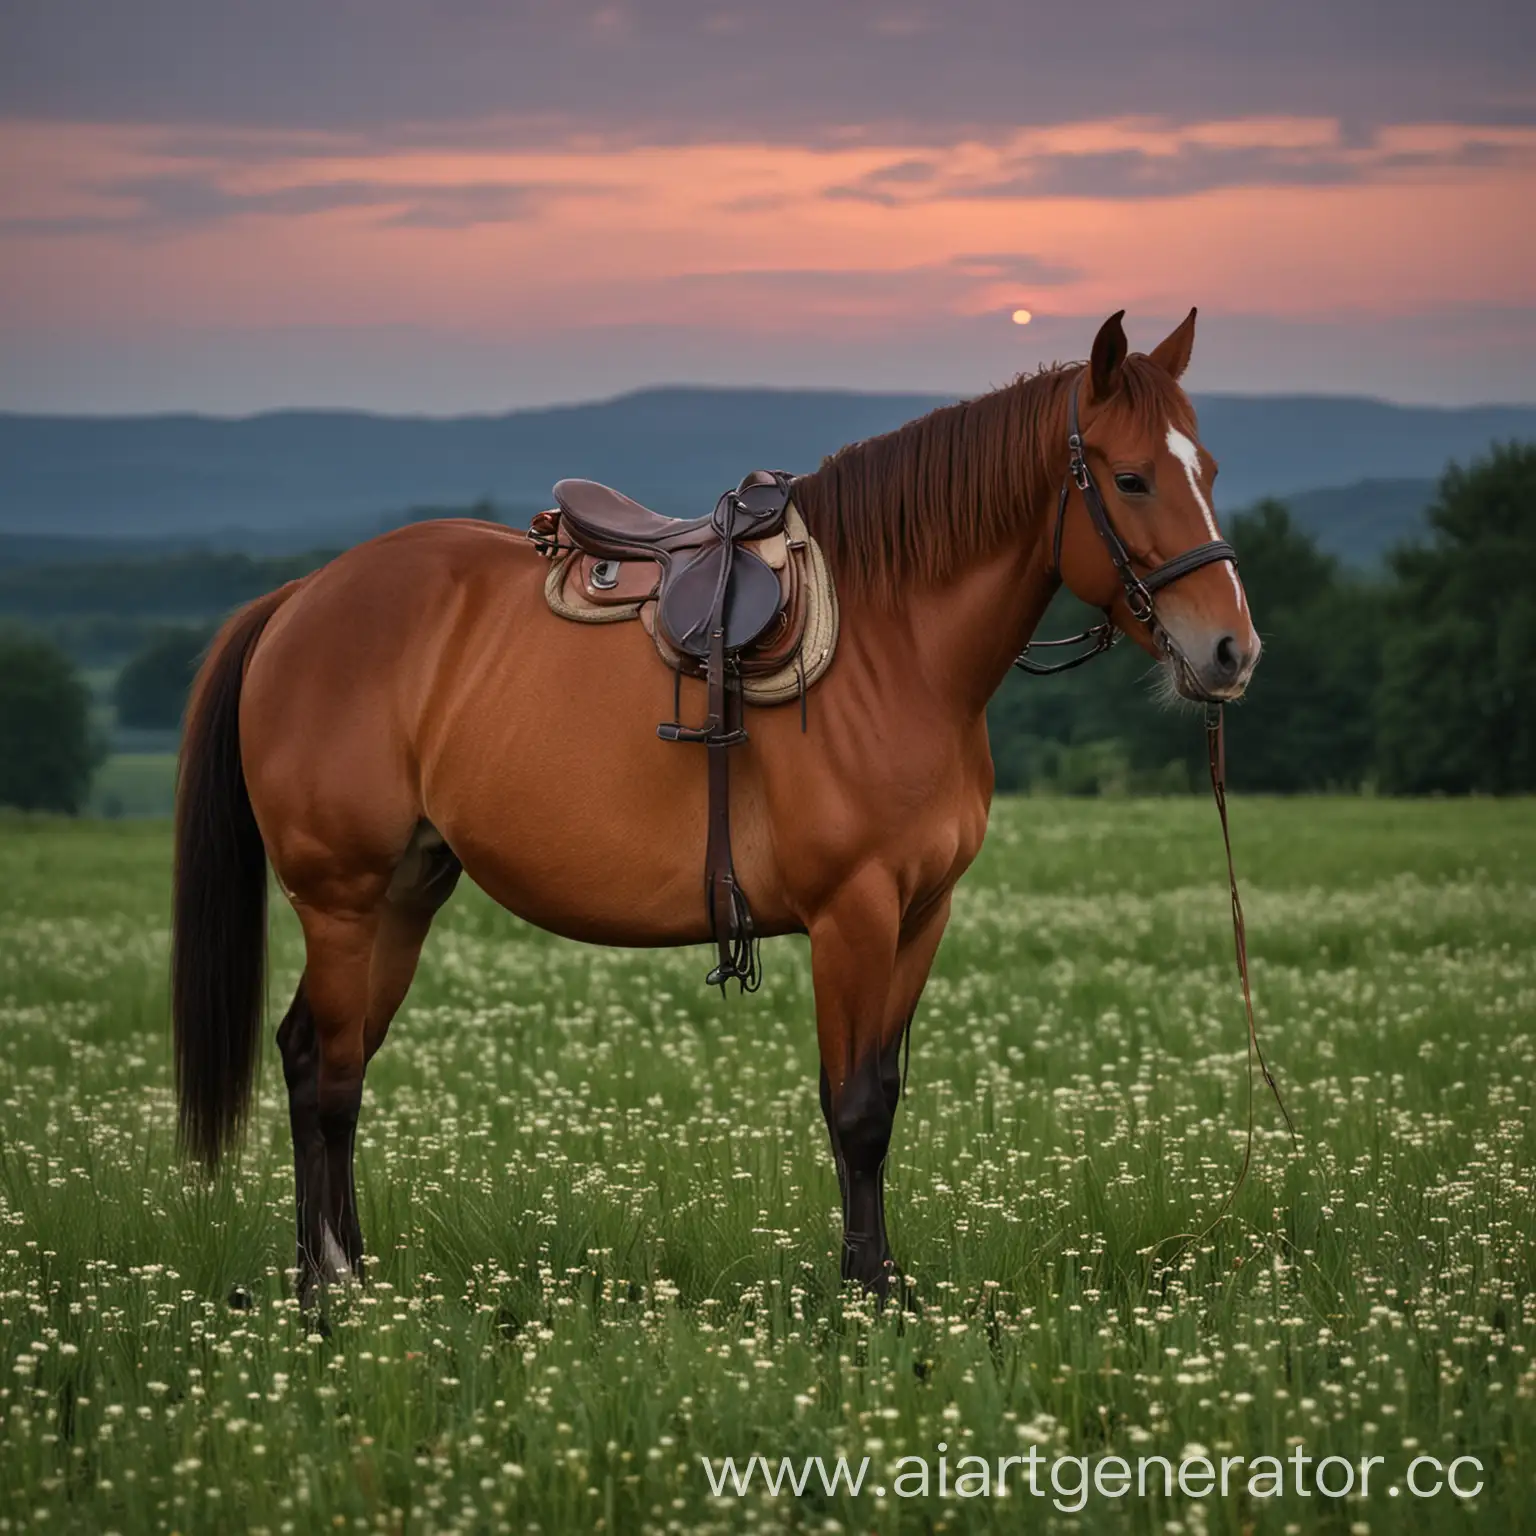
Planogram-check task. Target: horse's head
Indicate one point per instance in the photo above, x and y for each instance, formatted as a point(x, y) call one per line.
point(1152, 480)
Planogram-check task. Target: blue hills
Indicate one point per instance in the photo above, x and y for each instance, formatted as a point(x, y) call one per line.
point(1358, 472)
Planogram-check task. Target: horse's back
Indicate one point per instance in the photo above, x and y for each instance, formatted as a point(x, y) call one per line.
point(361, 638)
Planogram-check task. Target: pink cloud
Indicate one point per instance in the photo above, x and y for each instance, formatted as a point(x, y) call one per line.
point(130, 230)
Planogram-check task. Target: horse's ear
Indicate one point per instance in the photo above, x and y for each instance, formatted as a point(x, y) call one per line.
point(1109, 351)
point(1172, 353)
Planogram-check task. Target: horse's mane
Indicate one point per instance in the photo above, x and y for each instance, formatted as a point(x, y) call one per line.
point(917, 505)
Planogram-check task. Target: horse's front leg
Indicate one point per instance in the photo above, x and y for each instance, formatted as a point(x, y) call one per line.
point(869, 971)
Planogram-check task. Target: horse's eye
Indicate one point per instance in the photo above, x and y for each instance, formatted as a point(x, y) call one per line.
point(1131, 485)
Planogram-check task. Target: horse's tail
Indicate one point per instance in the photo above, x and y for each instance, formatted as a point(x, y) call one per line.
point(219, 923)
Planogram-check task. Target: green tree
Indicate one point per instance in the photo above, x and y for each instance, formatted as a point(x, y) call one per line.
point(48, 751)
point(151, 691)
point(1455, 711)
point(1306, 722)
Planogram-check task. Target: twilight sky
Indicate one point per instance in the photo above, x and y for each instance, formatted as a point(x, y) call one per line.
point(226, 205)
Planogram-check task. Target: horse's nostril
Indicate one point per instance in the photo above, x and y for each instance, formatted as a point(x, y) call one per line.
point(1228, 659)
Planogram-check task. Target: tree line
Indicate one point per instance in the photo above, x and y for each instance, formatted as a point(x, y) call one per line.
point(1417, 679)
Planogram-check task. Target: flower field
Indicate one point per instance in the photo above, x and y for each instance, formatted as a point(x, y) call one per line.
point(603, 1228)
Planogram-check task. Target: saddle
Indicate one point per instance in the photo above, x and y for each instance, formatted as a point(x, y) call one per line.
point(726, 598)
point(704, 572)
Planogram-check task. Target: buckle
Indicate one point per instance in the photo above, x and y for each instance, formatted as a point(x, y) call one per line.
point(675, 730)
point(1077, 466)
point(707, 735)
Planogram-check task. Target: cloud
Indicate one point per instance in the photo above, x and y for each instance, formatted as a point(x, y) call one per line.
point(177, 202)
point(957, 274)
point(1186, 169)
point(904, 173)
point(1455, 354)
point(796, 71)
point(180, 184)
point(884, 186)
point(848, 298)
point(1017, 267)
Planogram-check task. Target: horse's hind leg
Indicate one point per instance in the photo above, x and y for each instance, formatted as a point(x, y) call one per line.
point(296, 1042)
point(322, 1043)
point(423, 881)
point(359, 968)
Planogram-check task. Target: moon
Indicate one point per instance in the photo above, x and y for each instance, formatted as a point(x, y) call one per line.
point(1022, 317)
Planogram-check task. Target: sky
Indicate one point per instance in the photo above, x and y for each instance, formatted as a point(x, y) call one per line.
point(466, 205)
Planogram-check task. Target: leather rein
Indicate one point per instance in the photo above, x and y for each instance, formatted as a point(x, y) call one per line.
point(1139, 592)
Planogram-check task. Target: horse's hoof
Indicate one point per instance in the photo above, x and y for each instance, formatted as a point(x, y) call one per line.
point(308, 1284)
point(895, 1286)
point(312, 1310)
point(885, 1281)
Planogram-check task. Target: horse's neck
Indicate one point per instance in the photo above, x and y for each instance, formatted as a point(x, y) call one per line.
point(964, 633)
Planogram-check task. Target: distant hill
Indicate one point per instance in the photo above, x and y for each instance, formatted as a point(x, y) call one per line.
point(673, 448)
point(31, 550)
point(1359, 522)
point(298, 479)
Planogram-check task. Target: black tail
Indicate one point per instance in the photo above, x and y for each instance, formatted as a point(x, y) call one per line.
point(219, 927)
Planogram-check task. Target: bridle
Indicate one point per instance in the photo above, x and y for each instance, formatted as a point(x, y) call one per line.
point(1138, 590)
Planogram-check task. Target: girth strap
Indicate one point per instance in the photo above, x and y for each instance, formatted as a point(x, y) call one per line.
point(730, 918)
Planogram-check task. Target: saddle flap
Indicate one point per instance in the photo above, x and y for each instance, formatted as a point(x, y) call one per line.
point(778, 644)
point(752, 600)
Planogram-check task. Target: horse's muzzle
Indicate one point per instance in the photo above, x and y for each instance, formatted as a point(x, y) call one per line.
point(1215, 671)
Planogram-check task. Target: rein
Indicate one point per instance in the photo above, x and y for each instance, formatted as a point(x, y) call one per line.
point(1138, 592)
point(1216, 759)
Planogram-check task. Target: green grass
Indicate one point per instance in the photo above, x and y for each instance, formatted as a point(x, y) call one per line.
point(134, 784)
point(603, 1215)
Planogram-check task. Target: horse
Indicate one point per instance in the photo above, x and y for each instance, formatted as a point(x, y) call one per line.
point(366, 730)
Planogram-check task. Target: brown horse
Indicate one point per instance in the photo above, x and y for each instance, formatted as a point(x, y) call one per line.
point(372, 729)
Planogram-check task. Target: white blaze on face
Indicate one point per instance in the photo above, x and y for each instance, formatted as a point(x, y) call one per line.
point(1184, 450)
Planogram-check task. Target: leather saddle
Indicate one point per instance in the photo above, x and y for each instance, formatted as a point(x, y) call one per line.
point(717, 596)
point(699, 559)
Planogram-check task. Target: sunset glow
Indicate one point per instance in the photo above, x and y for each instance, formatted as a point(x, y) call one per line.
point(521, 252)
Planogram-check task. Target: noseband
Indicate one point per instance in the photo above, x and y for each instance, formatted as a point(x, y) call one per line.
point(1138, 590)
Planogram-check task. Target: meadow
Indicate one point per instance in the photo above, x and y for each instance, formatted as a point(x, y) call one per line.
point(603, 1226)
